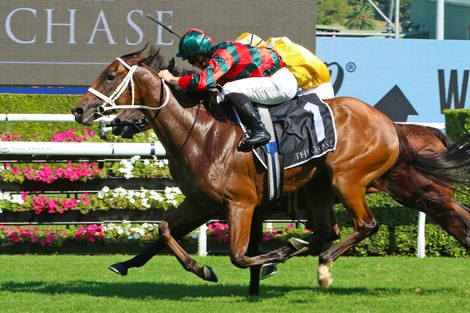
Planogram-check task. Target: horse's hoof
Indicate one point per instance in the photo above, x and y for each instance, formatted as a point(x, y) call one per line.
point(209, 274)
point(324, 277)
point(325, 282)
point(118, 268)
point(268, 270)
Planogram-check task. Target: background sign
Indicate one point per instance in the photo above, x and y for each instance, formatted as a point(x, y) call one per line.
point(46, 42)
point(411, 80)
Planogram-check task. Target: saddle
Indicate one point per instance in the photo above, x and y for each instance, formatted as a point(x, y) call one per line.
point(301, 129)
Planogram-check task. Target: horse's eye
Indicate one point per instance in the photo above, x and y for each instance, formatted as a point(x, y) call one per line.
point(110, 76)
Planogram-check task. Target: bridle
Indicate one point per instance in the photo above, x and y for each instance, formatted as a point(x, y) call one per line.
point(108, 102)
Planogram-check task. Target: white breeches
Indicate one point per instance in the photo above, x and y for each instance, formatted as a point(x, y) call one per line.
point(275, 89)
point(323, 91)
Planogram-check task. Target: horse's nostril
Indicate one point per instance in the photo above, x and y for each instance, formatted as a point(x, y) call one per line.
point(77, 111)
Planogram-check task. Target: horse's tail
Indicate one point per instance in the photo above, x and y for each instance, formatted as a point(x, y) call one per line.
point(450, 169)
point(431, 181)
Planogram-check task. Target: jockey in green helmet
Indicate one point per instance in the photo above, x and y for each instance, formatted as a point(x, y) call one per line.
point(246, 73)
point(194, 42)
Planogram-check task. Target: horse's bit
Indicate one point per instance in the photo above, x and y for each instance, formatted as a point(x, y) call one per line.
point(109, 103)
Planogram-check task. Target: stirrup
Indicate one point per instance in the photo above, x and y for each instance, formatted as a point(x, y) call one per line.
point(254, 142)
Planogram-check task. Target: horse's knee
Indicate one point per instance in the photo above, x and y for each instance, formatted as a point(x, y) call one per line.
point(368, 228)
point(239, 260)
point(163, 230)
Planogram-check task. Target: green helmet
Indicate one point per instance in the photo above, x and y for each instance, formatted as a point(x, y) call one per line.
point(194, 41)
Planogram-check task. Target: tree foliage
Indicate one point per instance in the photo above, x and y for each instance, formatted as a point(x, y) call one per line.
point(361, 18)
point(386, 6)
point(333, 11)
point(358, 14)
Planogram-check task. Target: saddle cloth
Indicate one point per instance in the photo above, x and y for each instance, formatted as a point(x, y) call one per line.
point(304, 129)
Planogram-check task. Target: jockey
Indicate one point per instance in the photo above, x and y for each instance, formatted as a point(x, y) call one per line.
point(247, 74)
point(311, 73)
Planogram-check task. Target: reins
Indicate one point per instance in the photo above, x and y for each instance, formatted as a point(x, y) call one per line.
point(108, 102)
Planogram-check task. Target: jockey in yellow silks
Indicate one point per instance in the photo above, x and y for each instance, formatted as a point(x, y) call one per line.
point(311, 73)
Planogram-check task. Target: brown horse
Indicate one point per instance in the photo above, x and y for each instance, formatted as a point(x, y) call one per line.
point(427, 141)
point(213, 174)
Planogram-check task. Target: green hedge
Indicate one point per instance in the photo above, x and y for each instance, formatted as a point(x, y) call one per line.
point(385, 209)
point(457, 123)
point(35, 104)
point(402, 240)
point(46, 104)
point(53, 104)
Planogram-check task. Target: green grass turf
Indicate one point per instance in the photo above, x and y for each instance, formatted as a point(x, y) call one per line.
point(73, 283)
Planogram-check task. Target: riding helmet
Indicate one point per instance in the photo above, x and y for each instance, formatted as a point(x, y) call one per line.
point(192, 42)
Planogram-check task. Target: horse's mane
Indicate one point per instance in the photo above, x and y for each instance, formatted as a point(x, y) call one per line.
point(156, 61)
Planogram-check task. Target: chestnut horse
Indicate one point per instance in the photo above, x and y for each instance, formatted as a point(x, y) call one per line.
point(214, 175)
point(427, 141)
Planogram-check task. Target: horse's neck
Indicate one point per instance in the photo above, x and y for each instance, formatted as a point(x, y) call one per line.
point(190, 135)
point(178, 127)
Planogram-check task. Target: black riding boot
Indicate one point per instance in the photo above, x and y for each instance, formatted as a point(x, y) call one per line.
point(249, 115)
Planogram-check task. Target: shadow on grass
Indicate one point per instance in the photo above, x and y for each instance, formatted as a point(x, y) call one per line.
point(174, 291)
point(131, 290)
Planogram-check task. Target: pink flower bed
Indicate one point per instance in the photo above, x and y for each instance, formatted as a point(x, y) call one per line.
point(49, 236)
point(49, 174)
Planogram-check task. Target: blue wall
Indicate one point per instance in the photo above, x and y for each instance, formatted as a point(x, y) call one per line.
point(411, 80)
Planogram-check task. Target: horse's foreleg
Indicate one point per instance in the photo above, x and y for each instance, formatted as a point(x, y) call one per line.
point(365, 225)
point(256, 239)
point(139, 260)
point(319, 198)
point(183, 220)
point(240, 222)
point(183, 257)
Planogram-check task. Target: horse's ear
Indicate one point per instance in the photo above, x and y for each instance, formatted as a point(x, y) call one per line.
point(146, 55)
point(171, 65)
point(150, 50)
point(137, 60)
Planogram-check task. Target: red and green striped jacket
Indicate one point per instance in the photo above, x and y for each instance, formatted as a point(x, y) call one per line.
point(231, 61)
